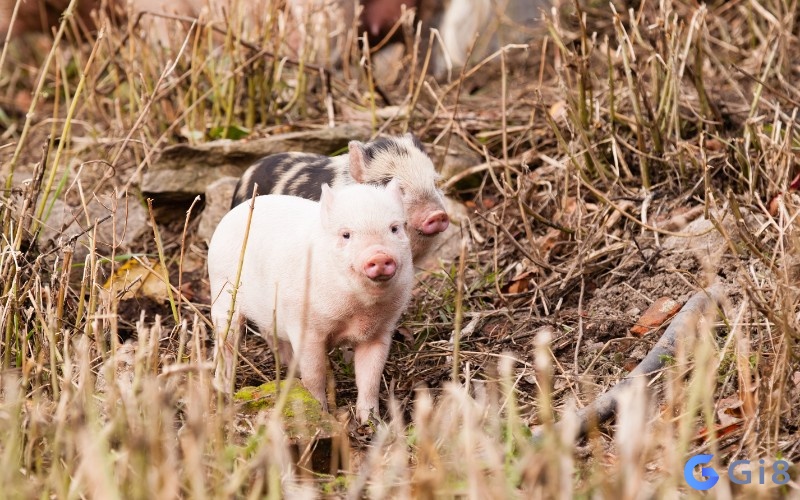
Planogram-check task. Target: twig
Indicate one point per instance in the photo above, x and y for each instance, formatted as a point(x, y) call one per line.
point(703, 304)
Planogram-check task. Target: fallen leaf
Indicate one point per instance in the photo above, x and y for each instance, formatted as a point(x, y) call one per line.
point(22, 100)
point(519, 286)
point(405, 333)
point(630, 365)
point(187, 291)
point(521, 280)
point(714, 145)
point(719, 430)
point(489, 202)
point(134, 279)
point(729, 410)
point(548, 241)
point(772, 206)
point(774, 203)
point(659, 312)
point(522, 272)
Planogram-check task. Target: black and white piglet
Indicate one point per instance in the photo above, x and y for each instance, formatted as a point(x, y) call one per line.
point(376, 162)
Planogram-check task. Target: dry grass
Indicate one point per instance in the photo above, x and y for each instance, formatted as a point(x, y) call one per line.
point(596, 143)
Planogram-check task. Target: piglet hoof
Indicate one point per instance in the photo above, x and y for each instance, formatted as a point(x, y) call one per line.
point(365, 423)
point(363, 430)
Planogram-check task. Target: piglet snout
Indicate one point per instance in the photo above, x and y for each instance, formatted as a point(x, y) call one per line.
point(436, 223)
point(380, 267)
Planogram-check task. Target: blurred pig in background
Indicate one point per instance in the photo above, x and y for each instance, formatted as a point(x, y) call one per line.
point(316, 30)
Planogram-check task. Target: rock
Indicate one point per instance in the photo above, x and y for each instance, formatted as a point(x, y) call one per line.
point(183, 171)
point(126, 224)
point(306, 425)
point(218, 202)
point(459, 157)
point(457, 211)
point(387, 64)
point(704, 239)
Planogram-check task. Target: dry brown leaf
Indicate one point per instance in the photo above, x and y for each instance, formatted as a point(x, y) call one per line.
point(408, 337)
point(719, 430)
point(519, 286)
point(548, 241)
point(659, 312)
point(729, 410)
point(134, 279)
point(489, 202)
point(714, 145)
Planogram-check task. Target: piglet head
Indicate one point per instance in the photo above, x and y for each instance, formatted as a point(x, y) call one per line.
point(364, 229)
point(422, 200)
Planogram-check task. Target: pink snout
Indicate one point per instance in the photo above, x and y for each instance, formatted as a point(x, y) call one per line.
point(436, 223)
point(380, 267)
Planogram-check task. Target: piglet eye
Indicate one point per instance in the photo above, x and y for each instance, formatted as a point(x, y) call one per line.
point(346, 235)
point(395, 228)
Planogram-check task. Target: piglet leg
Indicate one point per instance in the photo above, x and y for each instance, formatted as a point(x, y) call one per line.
point(370, 358)
point(283, 349)
point(226, 343)
point(313, 358)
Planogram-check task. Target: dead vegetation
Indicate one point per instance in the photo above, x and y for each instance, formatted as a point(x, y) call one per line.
point(628, 153)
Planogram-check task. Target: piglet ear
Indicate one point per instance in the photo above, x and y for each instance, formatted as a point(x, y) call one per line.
point(326, 202)
point(395, 190)
point(358, 161)
point(415, 141)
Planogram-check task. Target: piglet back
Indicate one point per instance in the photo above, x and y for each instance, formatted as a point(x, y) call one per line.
point(295, 174)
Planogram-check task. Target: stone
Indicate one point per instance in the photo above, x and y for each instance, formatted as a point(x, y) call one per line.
point(218, 196)
point(306, 424)
point(126, 226)
point(183, 171)
point(459, 157)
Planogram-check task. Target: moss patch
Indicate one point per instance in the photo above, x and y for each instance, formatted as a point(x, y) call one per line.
point(303, 416)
